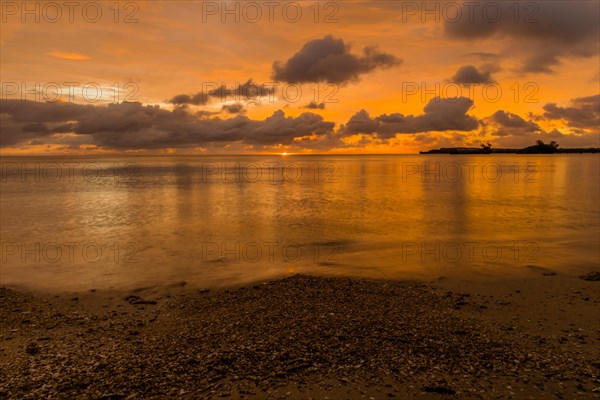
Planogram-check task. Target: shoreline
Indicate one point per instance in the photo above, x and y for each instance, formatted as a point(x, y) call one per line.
point(307, 337)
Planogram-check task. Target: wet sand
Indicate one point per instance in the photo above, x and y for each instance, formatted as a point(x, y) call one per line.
point(307, 337)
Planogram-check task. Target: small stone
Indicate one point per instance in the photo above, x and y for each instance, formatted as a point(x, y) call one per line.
point(32, 349)
point(591, 276)
point(112, 396)
point(133, 299)
point(439, 389)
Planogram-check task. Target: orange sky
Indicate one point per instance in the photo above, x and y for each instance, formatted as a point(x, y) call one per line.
point(150, 52)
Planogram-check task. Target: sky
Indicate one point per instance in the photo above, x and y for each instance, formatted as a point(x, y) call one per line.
point(184, 77)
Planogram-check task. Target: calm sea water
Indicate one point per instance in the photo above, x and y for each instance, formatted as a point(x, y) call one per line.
point(79, 222)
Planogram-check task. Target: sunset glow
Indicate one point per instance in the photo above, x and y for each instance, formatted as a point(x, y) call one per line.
point(312, 199)
point(347, 77)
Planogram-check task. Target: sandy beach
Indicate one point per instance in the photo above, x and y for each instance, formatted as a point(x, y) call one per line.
point(306, 337)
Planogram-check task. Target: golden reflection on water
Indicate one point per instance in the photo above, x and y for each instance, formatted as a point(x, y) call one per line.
point(159, 220)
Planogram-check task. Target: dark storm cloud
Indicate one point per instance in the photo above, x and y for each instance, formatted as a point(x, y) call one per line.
point(439, 115)
point(469, 74)
point(329, 60)
point(135, 126)
point(585, 112)
point(542, 32)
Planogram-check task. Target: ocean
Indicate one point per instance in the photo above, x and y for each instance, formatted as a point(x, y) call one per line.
point(72, 223)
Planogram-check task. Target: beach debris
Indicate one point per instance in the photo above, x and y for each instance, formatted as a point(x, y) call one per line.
point(591, 276)
point(32, 349)
point(439, 388)
point(133, 299)
point(369, 338)
point(112, 396)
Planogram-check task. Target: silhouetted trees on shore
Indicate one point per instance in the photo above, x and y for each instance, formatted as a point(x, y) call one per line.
point(487, 148)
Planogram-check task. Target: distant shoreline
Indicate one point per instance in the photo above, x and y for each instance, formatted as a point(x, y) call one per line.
point(527, 150)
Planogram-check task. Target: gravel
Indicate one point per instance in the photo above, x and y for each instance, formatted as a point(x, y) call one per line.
point(299, 337)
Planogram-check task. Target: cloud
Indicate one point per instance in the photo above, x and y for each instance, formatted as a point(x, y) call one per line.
point(439, 115)
point(469, 74)
point(508, 119)
point(585, 112)
point(541, 61)
point(563, 21)
point(329, 60)
point(236, 108)
point(315, 106)
point(361, 122)
point(248, 91)
point(130, 125)
point(505, 123)
point(135, 126)
point(540, 32)
point(506, 129)
point(197, 99)
point(483, 56)
point(68, 56)
point(35, 127)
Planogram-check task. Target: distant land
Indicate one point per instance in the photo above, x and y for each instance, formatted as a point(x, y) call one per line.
point(539, 148)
